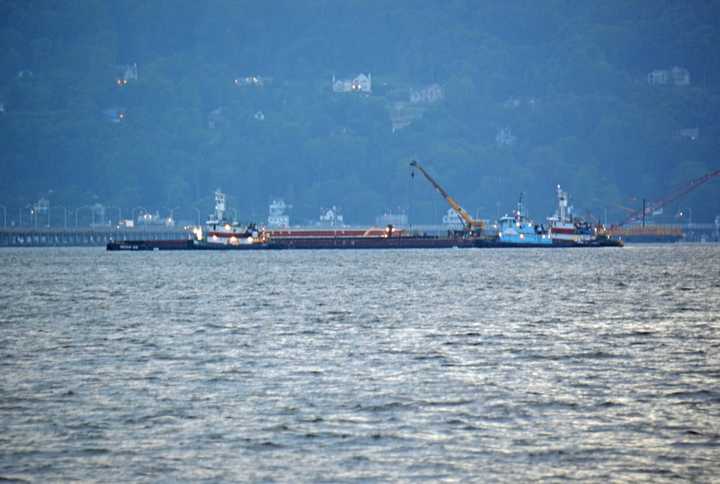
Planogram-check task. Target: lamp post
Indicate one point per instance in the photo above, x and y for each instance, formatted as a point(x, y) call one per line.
point(4, 208)
point(171, 211)
point(686, 213)
point(77, 214)
point(644, 212)
point(119, 213)
point(65, 211)
point(595, 199)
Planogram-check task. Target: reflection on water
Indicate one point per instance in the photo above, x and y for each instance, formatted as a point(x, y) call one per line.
point(350, 365)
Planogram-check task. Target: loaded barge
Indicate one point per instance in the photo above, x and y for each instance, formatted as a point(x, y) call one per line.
point(515, 231)
point(409, 241)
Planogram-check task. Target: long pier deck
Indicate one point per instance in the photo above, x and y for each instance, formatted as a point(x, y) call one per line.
point(84, 236)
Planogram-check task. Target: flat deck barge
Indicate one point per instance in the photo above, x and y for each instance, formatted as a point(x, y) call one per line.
point(318, 243)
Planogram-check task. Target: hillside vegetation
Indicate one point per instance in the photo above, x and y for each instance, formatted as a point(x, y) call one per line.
point(533, 94)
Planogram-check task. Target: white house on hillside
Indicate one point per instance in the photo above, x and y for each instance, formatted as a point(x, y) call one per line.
point(678, 76)
point(361, 83)
point(427, 95)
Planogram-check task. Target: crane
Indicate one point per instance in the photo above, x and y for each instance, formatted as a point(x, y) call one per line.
point(688, 187)
point(471, 224)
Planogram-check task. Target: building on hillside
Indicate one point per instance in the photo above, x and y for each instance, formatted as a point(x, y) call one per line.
point(412, 104)
point(126, 73)
point(658, 77)
point(688, 133)
point(361, 83)
point(505, 137)
point(427, 95)
point(678, 76)
point(252, 81)
point(403, 114)
point(516, 102)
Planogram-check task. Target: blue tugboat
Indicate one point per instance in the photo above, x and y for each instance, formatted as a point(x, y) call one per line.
point(519, 230)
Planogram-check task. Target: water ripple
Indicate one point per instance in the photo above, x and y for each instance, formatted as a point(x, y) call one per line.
point(591, 365)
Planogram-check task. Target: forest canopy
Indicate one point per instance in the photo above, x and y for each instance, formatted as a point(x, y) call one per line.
point(156, 104)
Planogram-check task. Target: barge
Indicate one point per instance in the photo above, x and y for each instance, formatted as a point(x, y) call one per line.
point(405, 241)
point(516, 231)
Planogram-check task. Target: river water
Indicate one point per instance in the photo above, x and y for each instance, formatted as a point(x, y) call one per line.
point(327, 366)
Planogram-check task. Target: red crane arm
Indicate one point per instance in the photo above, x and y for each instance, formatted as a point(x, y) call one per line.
point(688, 187)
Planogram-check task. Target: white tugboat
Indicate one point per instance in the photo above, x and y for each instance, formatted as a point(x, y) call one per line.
point(563, 229)
point(221, 231)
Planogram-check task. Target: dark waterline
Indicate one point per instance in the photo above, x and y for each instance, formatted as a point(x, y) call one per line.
point(342, 365)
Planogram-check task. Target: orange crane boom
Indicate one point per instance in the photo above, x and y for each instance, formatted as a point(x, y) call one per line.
point(688, 187)
point(470, 223)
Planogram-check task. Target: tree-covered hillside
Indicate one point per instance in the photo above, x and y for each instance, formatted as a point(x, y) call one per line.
point(510, 97)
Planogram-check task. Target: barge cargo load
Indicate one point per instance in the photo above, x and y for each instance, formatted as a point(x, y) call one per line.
point(356, 242)
point(517, 231)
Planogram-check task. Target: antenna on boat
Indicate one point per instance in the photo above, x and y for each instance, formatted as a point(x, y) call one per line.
point(411, 185)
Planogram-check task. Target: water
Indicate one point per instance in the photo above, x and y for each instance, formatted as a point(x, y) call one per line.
point(488, 365)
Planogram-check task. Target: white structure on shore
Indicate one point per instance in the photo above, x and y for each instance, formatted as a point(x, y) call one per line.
point(277, 218)
point(394, 219)
point(331, 218)
point(452, 220)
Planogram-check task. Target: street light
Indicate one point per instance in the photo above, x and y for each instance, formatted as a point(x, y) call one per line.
point(65, 211)
point(33, 215)
point(171, 211)
point(687, 212)
point(119, 213)
point(4, 215)
point(77, 214)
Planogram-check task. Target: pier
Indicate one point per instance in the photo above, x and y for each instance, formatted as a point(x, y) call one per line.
point(84, 236)
point(691, 232)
